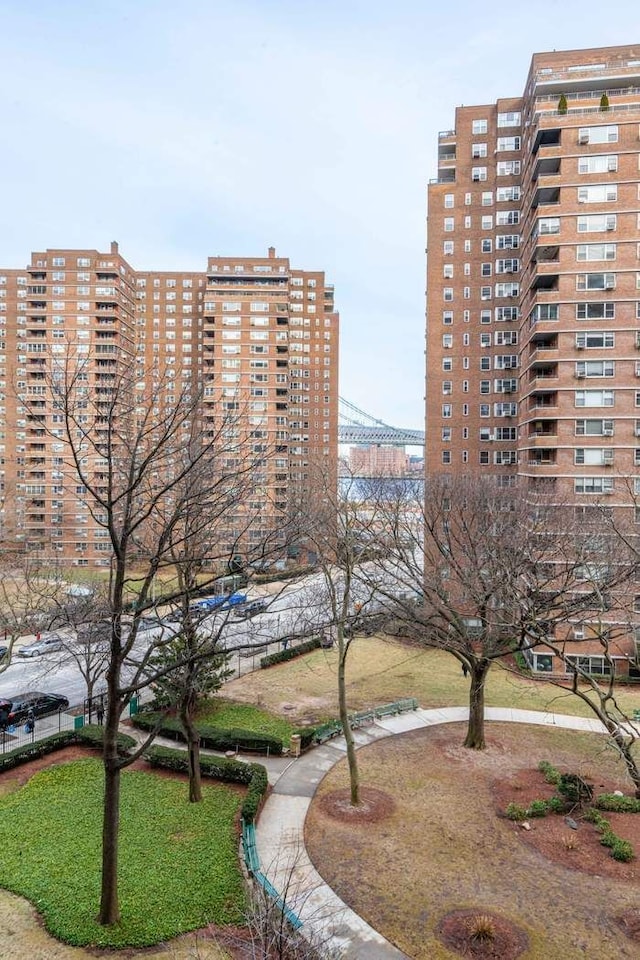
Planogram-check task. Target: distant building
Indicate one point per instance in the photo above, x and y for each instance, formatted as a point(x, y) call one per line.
point(247, 334)
point(377, 461)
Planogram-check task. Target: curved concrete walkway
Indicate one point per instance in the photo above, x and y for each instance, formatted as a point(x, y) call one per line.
point(280, 829)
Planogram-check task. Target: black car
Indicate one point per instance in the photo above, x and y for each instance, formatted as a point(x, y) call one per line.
point(15, 709)
point(250, 609)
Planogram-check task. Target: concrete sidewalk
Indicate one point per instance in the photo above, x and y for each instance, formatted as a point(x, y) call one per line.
point(280, 829)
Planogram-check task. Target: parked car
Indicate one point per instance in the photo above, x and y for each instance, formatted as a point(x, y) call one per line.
point(48, 643)
point(3, 652)
point(250, 609)
point(16, 708)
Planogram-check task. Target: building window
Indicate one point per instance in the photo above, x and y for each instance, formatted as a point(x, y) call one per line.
point(487, 198)
point(446, 434)
point(508, 168)
point(601, 163)
point(478, 174)
point(508, 143)
point(478, 150)
point(447, 340)
point(479, 126)
point(596, 251)
point(598, 193)
point(447, 294)
point(447, 271)
point(594, 398)
point(467, 223)
point(600, 134)
point(448, 248)
point(446, 410)
point(485, 269)
point(597, 223)
point(446, 456)
point(511, 119)
point(593, 485)
point(447, 317)
point(449, 224)
point(487, 223)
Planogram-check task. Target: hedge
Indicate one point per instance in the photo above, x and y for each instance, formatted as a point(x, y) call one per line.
point(290, 653)
point(254, 775)
point(211, 738)
point(90, 736)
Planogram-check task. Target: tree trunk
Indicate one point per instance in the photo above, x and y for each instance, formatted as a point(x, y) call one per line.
point(624, 748)
point(193, 749)
point(352, 761)
point(475, 731)
point(109, 904)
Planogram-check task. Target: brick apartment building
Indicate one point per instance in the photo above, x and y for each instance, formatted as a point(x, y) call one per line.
point(264, 333)
point(533, 303)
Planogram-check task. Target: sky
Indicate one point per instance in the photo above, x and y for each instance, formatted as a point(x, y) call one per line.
point(186, 130)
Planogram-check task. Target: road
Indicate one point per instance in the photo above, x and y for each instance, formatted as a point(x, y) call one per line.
point(296, 608)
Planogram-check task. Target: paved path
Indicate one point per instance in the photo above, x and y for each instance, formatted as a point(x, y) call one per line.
point(280, 829)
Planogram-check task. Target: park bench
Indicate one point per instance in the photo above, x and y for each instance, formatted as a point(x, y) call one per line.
point(292, 918)
point(360, 719)
point(327, 731)
point(636, 714)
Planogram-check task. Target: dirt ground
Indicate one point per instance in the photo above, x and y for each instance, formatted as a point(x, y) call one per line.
point(446, 846)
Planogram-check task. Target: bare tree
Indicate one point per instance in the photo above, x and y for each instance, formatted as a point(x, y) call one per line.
point(338, 529)
point(144, 463)
point(495, 572)
point(30, 592)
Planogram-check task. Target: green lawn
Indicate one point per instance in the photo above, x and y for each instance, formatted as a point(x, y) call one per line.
point(178, 861)
point(226, 713)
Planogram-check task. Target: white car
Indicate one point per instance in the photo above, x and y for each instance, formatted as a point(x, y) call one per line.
point(48, 643)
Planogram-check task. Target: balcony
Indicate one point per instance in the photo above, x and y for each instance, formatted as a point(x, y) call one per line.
point(546, 167)
point(545, 196)
point(540, 400)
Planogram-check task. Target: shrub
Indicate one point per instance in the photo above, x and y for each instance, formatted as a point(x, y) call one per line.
point(89, 736)
point(614, 804)
point(537, 808)
point(608, 838)
point(306, 735)
point(622, 851)
point(604, 102)
point(290, 653)
point(550, 773)
point(556, 805)
point(211, 738)
point(570, 841)
point(481, 928)
point(516, 812)
point(574, 788)
point(562, 104)
point(253, 775)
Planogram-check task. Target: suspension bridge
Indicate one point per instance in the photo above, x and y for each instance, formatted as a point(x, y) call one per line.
point(359, 428)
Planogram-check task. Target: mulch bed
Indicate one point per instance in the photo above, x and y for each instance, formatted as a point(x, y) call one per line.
point(456, 932)
point(375, 805)
point(551, 836)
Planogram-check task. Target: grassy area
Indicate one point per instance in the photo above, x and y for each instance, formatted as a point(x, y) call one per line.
point(226, 713)
point(178, 861)
point(380, 670)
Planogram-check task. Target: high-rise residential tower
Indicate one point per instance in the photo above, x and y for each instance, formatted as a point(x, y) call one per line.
point(247, 335)
point(533, 304)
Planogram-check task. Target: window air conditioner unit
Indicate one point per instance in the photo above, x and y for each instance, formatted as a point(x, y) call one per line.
point(610, 226)
point(610, 286)
point(578, 634)
point(607, 457)
point(613, 163)
point(580, 346)
point(637, 369)
point(607, 432)
point(580, 374)
point(583, 138)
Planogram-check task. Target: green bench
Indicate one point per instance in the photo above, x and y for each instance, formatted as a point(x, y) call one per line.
point(636, 714)
point(249, 848)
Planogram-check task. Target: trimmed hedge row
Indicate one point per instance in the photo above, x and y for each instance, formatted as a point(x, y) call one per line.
point(253, 775)
point(290, 653)
point(89, 736)
point(211, 738)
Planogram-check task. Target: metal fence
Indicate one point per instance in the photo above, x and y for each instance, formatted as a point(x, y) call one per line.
point(21, 735)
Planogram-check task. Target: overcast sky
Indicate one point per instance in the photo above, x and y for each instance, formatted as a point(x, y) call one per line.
point(202, 127)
